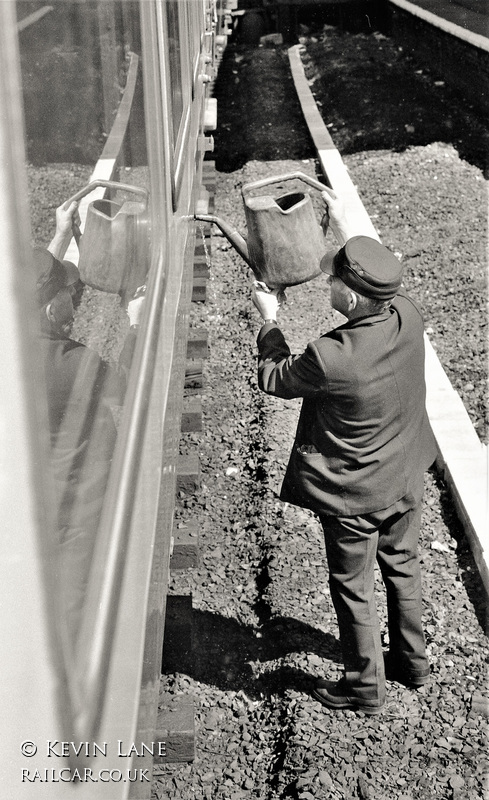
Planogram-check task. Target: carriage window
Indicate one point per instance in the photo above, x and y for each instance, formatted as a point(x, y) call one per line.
point(175, 57)
point(91, 259)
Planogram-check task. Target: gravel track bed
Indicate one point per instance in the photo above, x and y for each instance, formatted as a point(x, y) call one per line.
point(264, 626)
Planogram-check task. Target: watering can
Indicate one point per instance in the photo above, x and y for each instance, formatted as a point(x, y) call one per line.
point(114, 245)
point(285, 241)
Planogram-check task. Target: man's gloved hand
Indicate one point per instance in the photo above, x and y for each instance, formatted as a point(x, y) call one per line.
point(266, 300)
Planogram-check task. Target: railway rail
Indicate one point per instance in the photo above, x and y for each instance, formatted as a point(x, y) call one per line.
point(444, 34)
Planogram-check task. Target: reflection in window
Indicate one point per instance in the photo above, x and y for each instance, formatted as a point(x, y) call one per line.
point(172, 12)
point(86, 344)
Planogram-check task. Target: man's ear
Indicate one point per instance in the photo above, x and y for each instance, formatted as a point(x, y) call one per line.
point(49, 313)
point(352, 302)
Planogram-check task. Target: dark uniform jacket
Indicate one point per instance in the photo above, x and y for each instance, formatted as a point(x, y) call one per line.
point(363, 439)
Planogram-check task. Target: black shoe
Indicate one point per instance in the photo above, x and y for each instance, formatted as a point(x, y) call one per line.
point(396, 672)
point(334, 694)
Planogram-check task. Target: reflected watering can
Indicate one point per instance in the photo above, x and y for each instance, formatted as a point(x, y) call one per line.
point(285, 241)
point(114, 245)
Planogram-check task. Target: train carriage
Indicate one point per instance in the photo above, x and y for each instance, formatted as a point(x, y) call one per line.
point(79, 711)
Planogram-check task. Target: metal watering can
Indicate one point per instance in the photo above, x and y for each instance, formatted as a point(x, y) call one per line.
point(285, 242)
point(115, 241)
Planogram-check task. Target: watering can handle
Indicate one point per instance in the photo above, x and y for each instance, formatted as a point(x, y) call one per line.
point(280, 179)
point(124, 187)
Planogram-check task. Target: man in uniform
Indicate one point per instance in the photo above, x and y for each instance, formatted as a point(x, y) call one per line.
point(362, 445)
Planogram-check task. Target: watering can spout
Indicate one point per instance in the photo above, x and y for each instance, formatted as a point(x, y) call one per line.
point(232, 235)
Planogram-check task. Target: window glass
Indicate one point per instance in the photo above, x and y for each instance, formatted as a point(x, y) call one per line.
point(175, 59)
point(91, 258)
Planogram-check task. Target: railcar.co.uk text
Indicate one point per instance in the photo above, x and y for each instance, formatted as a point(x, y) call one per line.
point(83, 750)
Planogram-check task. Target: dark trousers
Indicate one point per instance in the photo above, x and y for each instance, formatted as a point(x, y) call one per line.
point(353, 545)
